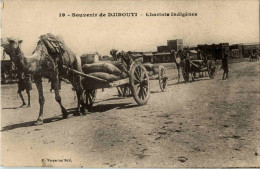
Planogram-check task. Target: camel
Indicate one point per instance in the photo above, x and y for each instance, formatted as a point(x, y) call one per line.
point(44, 63)
point(180, 61)
point(177, 60)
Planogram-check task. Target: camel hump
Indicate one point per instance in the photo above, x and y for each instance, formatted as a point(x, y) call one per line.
point(54, 44)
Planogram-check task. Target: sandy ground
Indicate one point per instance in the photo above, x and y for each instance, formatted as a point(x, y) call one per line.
point(207, 123)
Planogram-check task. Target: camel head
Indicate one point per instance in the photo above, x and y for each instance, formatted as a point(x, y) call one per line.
point(12, 46)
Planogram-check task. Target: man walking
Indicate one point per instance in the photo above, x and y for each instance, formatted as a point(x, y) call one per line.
point(24, 83)
point(225, 66)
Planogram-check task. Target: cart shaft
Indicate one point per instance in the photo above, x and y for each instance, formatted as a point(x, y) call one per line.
point(83, 74)
point(119, 82)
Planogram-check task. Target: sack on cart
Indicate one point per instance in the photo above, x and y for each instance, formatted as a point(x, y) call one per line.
point(102, 67)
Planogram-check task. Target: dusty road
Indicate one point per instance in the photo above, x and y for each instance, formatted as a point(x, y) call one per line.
point(207, 123)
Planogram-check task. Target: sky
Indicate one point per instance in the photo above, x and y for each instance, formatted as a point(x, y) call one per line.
point(216, 21)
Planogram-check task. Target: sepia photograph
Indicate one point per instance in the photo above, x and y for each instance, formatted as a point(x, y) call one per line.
point(130, 84)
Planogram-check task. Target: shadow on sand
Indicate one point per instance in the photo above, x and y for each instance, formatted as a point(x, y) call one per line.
point(195, 80)
point(30, 123)
point(107, 107)
point(8, 108)
point(114, 98)
point(98, 108)
point(173, 84)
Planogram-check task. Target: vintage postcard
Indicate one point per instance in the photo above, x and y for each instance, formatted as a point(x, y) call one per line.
point(127, 83)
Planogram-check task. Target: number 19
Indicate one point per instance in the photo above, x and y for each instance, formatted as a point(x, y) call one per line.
point(62, 14)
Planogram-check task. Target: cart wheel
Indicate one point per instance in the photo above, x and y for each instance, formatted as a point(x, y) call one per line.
point(162, 78)
point(211, 69)
point(139, 83)
point(89, 98)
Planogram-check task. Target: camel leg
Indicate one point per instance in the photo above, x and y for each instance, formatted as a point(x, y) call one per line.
point(77, 113)
point(193, 76)
point(79, 91)
point(55, 83)
point(38, 83)
point(188, 76)
point(81, 109)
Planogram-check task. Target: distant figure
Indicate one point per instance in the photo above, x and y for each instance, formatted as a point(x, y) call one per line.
point(24, 83)
point(225, 66)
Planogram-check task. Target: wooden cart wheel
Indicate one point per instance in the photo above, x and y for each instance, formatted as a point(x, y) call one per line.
point(211, 69)
point(139, 83)
point(89, 98)
point(162, 78)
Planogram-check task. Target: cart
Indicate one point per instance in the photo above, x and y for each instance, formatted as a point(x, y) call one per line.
point(158, 74)
point(198, 66)
point(154, 74)
point(137, 80)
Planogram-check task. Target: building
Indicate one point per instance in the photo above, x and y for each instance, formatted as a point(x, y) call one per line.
point(250, 48)
point(148, 57)
point(176, 44)
point(89, 58)
point(216, 50)
point(138, 57)
point(236, 50)
point(8, 69)
point(157, 57)
point(163, 49)
point(162, 57)
point(152, 57)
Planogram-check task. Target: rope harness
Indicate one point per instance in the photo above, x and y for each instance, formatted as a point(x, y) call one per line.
point(57, 49)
